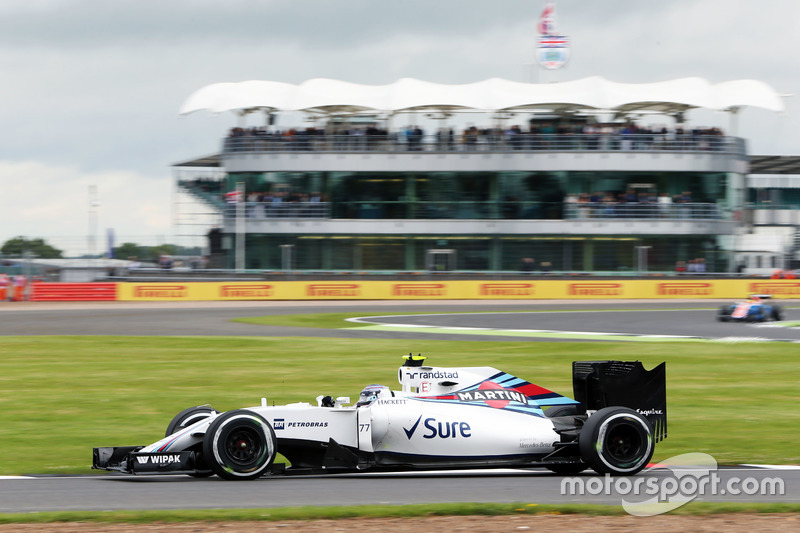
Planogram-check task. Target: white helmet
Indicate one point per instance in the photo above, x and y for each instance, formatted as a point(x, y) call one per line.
point(372, 393)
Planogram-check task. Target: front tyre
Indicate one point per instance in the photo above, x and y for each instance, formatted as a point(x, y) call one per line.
point(188, 417)
point(239, 444)
point(617, 441)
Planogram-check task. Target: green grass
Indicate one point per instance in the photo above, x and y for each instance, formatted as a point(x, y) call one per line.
point(382, 511)
point(320, 320)
point(61, 396)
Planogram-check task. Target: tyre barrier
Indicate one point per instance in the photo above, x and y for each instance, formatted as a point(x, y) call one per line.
point(73, 292)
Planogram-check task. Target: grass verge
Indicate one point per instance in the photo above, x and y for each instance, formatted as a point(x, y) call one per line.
point(376, 511)
point(81, 392)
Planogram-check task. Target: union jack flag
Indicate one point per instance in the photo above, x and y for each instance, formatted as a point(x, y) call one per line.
point(547, 20)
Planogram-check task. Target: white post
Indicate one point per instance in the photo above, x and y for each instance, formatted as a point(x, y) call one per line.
point(240, 225)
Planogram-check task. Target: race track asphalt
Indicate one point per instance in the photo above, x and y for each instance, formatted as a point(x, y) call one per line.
point(695, 318)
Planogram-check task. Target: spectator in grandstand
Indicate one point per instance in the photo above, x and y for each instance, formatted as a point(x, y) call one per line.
point(700, 265)
point(664, 204)
point(528, 265)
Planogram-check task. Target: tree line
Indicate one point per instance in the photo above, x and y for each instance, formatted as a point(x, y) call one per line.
point(39, 248)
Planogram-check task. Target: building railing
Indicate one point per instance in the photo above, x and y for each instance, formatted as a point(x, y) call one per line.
point(602, 142)
point(474, 210)
point(260, 210)
point(687, 210)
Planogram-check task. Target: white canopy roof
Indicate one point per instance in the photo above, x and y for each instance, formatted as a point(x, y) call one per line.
point(495, 94)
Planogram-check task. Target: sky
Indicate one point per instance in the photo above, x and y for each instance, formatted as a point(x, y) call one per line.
point(91, 88)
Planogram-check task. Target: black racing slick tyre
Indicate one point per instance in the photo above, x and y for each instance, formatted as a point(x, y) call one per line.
point(617, 441)
point(189, 416)
point(777, 313)
point(239, 445)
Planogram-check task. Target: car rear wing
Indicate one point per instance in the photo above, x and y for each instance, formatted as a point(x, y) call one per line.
point(599, 384)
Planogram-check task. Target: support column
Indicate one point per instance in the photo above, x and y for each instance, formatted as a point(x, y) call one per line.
point(495, 253)
point(411, 195)
point(409, 254)
point(588, 255)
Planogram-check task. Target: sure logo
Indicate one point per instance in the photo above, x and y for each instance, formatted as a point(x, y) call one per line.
point(442, 430)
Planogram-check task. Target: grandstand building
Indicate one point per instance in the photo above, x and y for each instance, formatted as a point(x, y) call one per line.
point(416, 176)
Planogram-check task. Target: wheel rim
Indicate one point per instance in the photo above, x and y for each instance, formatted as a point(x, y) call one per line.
point(244, 446)
point(623, 444)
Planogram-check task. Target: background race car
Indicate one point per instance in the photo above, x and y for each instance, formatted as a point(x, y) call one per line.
point(756, 309)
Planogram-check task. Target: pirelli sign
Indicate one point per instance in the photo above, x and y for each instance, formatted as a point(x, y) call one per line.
point(419, 290)
point(333, 290)
point(524, 289)
point(776, 289)
point(246, 291)
point(161, 291)
point(506, 290)
point(598, 289)
point(685, 289)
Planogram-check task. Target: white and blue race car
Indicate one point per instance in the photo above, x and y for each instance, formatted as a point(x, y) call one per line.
point(756, 309)
point(441, 418)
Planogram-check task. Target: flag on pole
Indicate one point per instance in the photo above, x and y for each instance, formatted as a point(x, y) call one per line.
point(547, 20)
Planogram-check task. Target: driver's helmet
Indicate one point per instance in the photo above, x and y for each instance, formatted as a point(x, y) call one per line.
point(372, 393)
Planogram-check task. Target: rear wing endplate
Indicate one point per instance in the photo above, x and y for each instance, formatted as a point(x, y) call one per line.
point(599, 384)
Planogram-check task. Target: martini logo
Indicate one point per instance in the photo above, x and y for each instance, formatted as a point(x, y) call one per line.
point(334, 290)
point(684, 289)
point(160, 291)
point(595, 289)
point(419, 289)
point(506, 289)
point(493, 395)
point(246, 291)
point(791, 288)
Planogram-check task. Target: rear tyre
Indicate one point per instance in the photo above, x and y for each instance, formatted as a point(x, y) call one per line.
point(189, 416)
point(239, 444)
point(777, 313)
point(617, 441)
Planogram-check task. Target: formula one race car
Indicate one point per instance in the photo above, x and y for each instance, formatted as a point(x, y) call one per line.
point(753, 310)
point(442, 418)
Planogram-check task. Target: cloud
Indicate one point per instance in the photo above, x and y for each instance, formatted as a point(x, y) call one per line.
point(92, 88)
point(54, 202)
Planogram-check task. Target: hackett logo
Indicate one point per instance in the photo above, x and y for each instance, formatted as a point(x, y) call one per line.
point(334, 289)
point(419, 289)
point(684, 289)
point(246, 291)
point(160, 291)
point(506, 289)
point(774, 288)
point(595, 289)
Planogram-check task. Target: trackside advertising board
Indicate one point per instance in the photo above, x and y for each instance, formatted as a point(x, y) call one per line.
point(583, 289)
